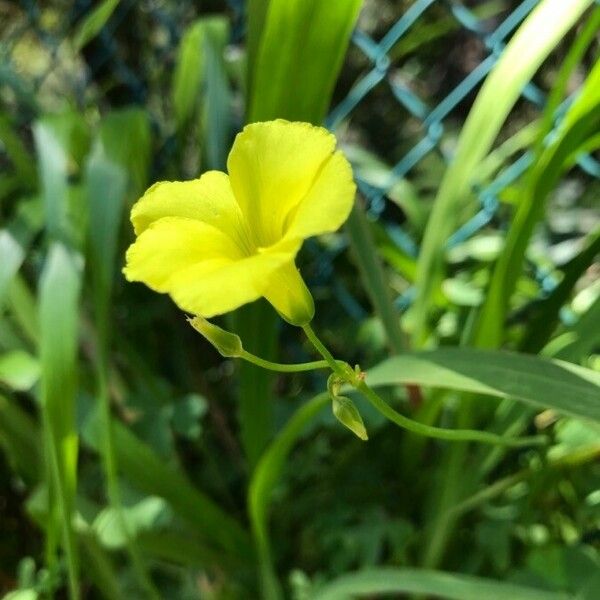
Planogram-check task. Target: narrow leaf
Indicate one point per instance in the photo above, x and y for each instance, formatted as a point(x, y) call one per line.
point(452, 586)
point(93, 23)
point(564, 387)
point(532, 43)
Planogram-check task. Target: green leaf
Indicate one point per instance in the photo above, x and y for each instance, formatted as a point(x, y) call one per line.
point(217, 106)
point(582, 337)
point(145, 470)
point(257, 324)
point(264, 479)
point(22, 595)
point(60, 141)
point(452, 586)
point(564, 387)
point(256, 13)
point(20, 437)
point(373, 276)
point(188, 73)
point(186, 416)
point(544, 321)
point(12, 254)
point(539, 34)
point(93, 23)
point(19, 370)
point(581, 121)
point(134, 157)
point(299, 55)
point(114, 526)
point(60, 284)
point(182, 549)
point(14, 148)
point(106, 185)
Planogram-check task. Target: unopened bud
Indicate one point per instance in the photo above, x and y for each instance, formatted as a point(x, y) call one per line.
point(347, 414)
point(227, 344)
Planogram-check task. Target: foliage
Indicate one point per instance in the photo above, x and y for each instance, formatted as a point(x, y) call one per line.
point(138, 462)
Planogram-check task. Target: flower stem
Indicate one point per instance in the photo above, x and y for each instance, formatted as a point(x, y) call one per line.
point(356, 380)
point(281, 367)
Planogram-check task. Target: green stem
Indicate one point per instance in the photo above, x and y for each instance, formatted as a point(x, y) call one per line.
point(356, 380)
point(283, 368)
point(455, 435)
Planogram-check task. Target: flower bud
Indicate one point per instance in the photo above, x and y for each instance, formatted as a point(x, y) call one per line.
point(227, 344)
point(347, 414)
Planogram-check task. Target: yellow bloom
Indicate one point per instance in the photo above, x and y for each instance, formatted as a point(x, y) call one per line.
point(221, 241)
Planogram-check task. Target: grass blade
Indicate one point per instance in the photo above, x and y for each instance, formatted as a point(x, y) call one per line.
point(146, 471)
point(582, 337)
point(581, 122)
point(93, 23)
point(300, 53)
point(532, 43)
point(373, 277)
point(107, 183)
point(543, 323)
point(187, 78)
point(216, 118)
point(263, 481)
point(58, 310)
point(19, 434)
point(452, 586)
point(60, 140)
point(564, 387)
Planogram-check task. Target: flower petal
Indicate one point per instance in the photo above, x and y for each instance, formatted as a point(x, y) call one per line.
point(208, 199)
point(327, 204)
point(213, 292)
point(173, 244)
point(272, 167)
point(289, 295)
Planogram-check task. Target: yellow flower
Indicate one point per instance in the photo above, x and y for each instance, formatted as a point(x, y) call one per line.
point(221, 241)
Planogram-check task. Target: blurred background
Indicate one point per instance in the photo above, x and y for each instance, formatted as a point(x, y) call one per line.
point(98, 100)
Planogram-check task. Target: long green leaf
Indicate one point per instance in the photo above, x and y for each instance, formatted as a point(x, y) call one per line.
point(258, 326)
point(60, 285)
point(145, 470)
point(264, 479)
point(112, 172)
point(532, 43)
point(299, 56)
point(581, 121)
point(582, 337)
point(12, 257)
point(16, 151)
point(91, 26)
point(217, 109)
point(452, 586)
point(60, 141)
point(256, 13)
point(544, 321)
point(188, 73)
point(20, 437)
point(373, 277)
point(564, 387)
